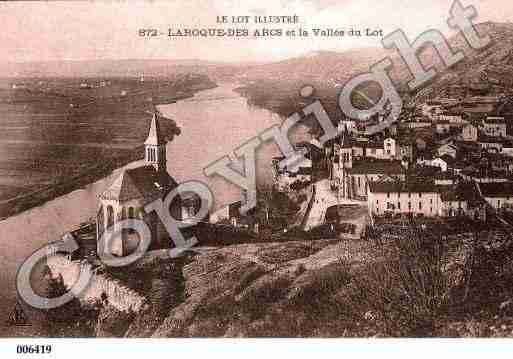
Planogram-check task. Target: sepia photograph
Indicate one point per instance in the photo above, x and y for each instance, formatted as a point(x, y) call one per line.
point(328, 169)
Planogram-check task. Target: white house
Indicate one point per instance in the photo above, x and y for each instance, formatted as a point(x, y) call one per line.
point(386, 150)
point(399, 197)
point(494, 126)
point(440, 163)
point(469, 133)
point(447, 149)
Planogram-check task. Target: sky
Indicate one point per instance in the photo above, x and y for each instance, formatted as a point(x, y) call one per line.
point(87, 30)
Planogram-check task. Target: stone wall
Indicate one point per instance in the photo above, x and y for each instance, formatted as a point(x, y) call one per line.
point(119, 295)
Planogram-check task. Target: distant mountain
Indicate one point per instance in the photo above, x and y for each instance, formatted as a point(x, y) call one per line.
point(117, 68)
point(327, 67)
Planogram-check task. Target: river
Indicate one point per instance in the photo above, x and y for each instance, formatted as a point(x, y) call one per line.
point(213, 123)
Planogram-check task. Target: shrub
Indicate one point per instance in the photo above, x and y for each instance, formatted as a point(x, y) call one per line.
point(407, 285)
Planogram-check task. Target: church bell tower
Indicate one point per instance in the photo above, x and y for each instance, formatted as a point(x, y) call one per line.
point(155, 145)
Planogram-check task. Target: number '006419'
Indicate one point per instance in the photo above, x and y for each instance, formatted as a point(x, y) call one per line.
point(33, 349)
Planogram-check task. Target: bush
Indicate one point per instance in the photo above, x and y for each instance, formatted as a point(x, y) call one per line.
point(407, 285)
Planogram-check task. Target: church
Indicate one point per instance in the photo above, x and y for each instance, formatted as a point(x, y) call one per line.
point(133, 190)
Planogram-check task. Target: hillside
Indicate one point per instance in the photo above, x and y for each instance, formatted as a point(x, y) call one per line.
point(420, 286)
point(326, 67)
point(331, 68)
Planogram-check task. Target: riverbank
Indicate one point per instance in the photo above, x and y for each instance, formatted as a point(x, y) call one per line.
point(71, 164)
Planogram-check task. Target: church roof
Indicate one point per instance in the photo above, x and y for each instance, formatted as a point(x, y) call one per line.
point(143, 182)
point(155, 136)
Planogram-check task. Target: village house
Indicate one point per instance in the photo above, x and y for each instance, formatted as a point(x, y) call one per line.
point(432, 109)
point(424, 198)
point(416, 123)
point(347, 125)
point(385, 149)
point(451, 117)
point(364, 172)
point(441, 163)
point(481, 175)
point(231, 215)
point(444, 127)
point(445, 179)
point(469, 133)
point(494, 126)
point(489, 143)
point(447, 149)
point(498, 195)
point(460, 199)
point(400, 197)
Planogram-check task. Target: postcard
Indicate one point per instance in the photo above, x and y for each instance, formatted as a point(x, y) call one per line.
point(255, 169)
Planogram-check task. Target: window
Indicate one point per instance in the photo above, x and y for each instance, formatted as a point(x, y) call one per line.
point(110, 216)
point(399, 205)
point(420, 194)
point(388, 194)
point(420, 205)
point(358, 182)
point(377, 201)
point(431, 201)
point(409, 205)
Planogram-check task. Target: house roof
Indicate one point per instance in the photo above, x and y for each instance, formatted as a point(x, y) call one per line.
point(401, 186)
point(495, 120)
point(500, 189)
point(376, 167)
point(424, 171)
point(143, 182)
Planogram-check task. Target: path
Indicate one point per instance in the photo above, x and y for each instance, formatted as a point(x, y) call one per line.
point(324, 198)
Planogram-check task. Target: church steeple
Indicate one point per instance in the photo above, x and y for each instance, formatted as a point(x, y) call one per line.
point(155, 145)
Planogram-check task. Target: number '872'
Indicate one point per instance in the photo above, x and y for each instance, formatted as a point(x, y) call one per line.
point(148, 32)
